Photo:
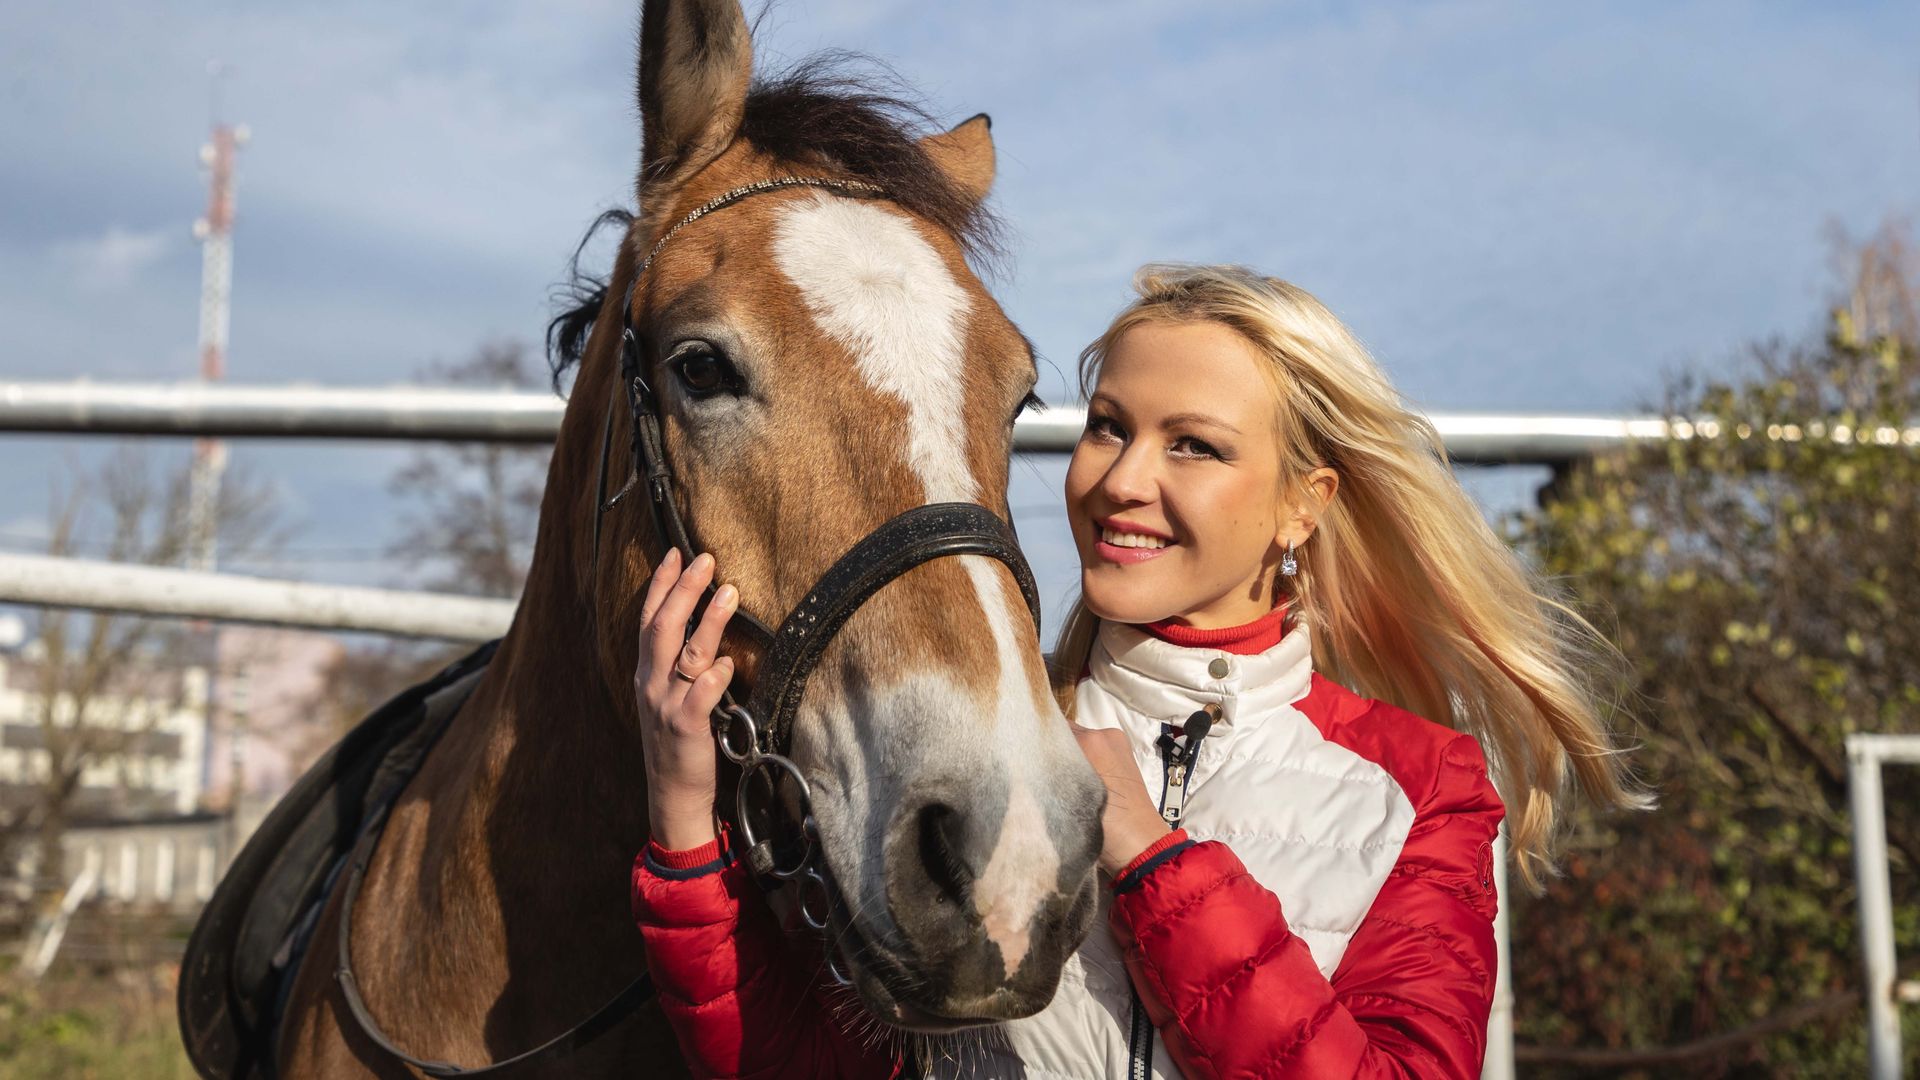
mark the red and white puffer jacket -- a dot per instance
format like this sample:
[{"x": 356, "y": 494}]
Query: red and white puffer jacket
[{"x": 1325, "y": 911}]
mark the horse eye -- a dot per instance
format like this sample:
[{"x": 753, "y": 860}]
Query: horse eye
[
  {"x": 701, "y": 372},
  {"x": 1031, "y": 401}
]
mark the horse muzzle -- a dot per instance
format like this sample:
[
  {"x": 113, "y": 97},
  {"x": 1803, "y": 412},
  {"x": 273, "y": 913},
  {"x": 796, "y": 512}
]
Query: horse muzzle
[
  {"x": 941, "y": 973},
  {"x": 984, "y": 897}
]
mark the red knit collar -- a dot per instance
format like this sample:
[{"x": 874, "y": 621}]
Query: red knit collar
[{"x": 1250, "y": 639}]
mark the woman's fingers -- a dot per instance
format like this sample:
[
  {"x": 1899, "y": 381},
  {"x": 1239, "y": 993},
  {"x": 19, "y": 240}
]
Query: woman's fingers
[
  {"x": 691, "y": 718},
  {"x": 1130, "y": 822},
  {"x": 1103, "y": 746},
  {"x": 668, "y": 629},
  {"x": 698, "y": 654},
  {"x": 664, "y": 575}
]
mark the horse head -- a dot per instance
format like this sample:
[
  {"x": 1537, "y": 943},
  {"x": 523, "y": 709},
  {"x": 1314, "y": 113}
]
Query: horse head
[{"x": 823, "y": 359}]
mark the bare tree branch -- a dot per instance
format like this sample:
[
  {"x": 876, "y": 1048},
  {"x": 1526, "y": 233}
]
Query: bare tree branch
[{"x": 103, "y": 682}]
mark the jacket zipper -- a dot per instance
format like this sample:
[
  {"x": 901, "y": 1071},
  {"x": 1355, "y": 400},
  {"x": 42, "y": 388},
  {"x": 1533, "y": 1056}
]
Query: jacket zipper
[
  {"x": 1176, "y": 768},
  {"x": 1173, "y": 796},
  {"x": 1139, "y": 1042},
  {"x": 1178, "y": 757}
]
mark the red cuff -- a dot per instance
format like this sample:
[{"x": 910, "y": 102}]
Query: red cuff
[
  {"x": 1177, "y": 836},
  {"x": 691, "y": 857}
]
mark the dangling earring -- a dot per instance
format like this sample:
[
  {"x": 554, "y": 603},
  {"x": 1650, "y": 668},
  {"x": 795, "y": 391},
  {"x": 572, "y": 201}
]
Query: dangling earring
[{"x": 1288, "y": 566}]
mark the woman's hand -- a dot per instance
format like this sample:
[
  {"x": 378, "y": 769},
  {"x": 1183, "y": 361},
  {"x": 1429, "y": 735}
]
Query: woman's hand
[
  {"x": 1130, "y": 824},
  {"x": 678, "y": 682}
]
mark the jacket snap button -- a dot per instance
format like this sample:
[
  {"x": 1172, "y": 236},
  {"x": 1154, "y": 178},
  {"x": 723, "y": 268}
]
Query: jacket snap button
[{"x": 1219, "y": 668}]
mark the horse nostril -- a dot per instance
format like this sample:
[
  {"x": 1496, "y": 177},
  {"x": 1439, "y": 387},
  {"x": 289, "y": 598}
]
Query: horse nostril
[{"x": 943, "y": 851}]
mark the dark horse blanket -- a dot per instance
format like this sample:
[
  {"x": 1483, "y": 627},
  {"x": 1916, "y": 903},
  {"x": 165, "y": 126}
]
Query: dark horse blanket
[{"x": 249, "y": 940}]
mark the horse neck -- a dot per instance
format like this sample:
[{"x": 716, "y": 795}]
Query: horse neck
[
  {"x": 522, "y": 826},
  {"x": 554, "y": 747}
]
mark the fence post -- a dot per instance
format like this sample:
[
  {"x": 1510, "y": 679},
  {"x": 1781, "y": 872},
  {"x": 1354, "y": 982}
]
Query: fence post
[
  {"x": 1499, "y": 1060},
  {"x": 1876, "y": 905},
  {"x": 44, "y": 945}
]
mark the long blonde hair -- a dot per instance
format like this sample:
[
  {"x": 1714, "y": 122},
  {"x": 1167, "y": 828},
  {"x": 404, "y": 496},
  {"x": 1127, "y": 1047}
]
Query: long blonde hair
[{"x": 1408, "y": 595}]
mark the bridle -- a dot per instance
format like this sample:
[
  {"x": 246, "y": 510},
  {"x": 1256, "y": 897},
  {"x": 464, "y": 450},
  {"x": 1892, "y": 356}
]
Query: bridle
[{"x": 756, "y": 736}]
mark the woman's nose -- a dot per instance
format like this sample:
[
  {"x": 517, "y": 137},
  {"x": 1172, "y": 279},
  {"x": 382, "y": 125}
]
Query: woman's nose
[{"x": 1130, "y": 479}]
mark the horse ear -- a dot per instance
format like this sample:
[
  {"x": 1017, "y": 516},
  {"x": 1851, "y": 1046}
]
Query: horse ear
[
  {"x": 696, "y": 61},
  {"x": 965, "y": 154}
]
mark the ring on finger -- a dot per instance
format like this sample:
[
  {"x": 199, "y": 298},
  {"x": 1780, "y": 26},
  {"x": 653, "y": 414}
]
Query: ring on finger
[{"x": 678, "y": 674}]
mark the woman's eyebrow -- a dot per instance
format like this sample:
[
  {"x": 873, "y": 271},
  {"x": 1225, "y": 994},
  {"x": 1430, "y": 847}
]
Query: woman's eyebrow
[{"x": 1189, "y": 418}]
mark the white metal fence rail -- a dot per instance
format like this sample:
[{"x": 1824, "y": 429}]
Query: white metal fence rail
[
  {"x": 196, "y": 409},
  {"x": 225, "y": 410},
  {"x": 1865, "y": 756},
  {"x": 329, "y": 412},
  {"x": 194, "y": 594}
]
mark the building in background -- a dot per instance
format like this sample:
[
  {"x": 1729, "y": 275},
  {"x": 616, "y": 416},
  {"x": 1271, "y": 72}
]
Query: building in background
[
  {"x": 200, "y": 752},
  {"x": 266, "y": 725},
  {"x": 149, "y": 720}
]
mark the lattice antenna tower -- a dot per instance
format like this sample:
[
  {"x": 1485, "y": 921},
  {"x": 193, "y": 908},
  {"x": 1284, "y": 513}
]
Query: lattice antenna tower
[{"x": 215, "y": 233}]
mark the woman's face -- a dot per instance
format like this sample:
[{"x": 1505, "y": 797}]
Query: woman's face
[{"x": 1173, "y": 493}]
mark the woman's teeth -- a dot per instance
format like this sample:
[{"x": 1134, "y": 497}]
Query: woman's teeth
[{"x": 1131, "y": 540}]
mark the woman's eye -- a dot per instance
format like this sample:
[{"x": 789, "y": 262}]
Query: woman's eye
[
  {"x": 702, "y": 373},
  {"x": 1101, "y": 427},
  {"x": 1192, "y": 447}
]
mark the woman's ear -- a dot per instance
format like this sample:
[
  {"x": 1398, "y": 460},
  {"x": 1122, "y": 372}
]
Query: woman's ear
[{"x": 1318, "y": 490}]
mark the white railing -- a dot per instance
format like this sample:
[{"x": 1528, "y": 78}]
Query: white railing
[
  {"x": 48, "y": 581},
  {"x": 225, "y": 410},
  {"x": 1885, "y": 993}
]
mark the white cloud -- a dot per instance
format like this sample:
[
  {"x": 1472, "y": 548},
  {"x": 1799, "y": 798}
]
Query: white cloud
[{"x": 114, "y": 259}]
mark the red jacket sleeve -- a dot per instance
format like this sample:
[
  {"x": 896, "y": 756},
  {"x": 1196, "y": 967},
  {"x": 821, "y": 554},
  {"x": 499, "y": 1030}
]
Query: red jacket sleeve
[
  {"x": 740, "y": 1001},
  {"x": 1234, "y": 992}
]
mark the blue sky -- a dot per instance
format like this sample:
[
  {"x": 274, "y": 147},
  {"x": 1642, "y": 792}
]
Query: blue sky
[{"x": 1517, "y": 205}]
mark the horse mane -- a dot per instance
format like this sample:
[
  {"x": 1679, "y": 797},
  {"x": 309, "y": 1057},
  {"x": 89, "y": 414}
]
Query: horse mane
[{"x": 818, "y": 114}]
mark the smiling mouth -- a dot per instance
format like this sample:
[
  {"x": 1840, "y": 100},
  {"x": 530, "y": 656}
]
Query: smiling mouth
[
  {"x": 1116, "y": 538},
  {"x": 1126, "y": 548}
]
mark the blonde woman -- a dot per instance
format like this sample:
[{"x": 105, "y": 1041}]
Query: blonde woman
[{"x": 1295, "y": 636}]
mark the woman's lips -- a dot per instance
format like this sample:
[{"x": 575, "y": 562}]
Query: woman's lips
[
  {"x": 1128, "y": 555},
  {"x": 1126, "y": 543}
]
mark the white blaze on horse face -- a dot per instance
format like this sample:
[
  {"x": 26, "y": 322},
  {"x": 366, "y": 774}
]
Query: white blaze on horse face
[{"x": 875, "y": 285}]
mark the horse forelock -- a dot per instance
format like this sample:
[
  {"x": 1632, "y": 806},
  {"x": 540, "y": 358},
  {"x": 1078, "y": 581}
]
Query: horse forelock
[{"x": 823, "y": 114}]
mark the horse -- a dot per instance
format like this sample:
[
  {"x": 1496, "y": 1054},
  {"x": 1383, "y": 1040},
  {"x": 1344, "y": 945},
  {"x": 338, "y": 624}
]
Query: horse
[{"x": 796, "y": 303}]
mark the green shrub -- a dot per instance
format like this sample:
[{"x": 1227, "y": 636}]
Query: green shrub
[{"x": 1762, "y": 576}]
